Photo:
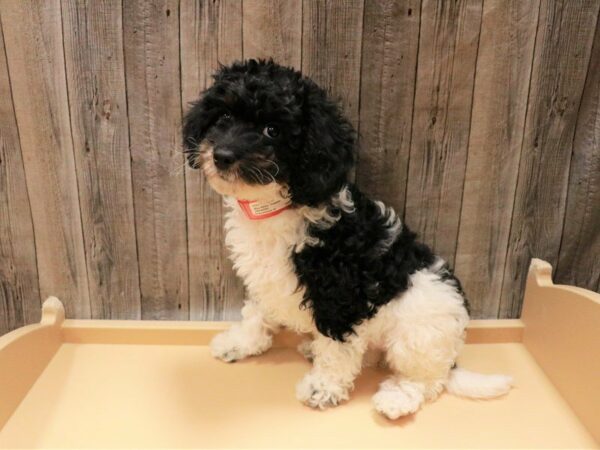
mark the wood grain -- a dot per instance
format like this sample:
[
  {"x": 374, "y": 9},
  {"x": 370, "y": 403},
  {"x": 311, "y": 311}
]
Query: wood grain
[
  {"x": 579, "y": 257},
  {"x": 442, "y": 113},
  {"x": 34, "y": 48},
  {"x": 96, "y": 86},
  {"x": 387, "y": 88},
  {"x": 273, "y": 29},
  {"x": 499, "y": 106},
  {"x": 19, "y": 285},
  {"x": 563, "y": 45},
  {"x": 331, "y": 49},
  {"x": 151, "y": 40},
  {"x": 210, "y": 35}
]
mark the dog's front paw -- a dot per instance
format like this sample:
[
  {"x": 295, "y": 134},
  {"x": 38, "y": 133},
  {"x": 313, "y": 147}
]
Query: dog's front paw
[
  {"x": 318, "y": 391},
  {"x": 226, "y": 347},
  {"x": 233, "y": 344}
]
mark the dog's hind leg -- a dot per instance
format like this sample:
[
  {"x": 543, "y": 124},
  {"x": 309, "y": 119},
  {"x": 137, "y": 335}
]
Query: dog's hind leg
[
  {"x": 424, "y": 336},
  {"x": 420, "y": 356},
  {"x": 252, "y": 336},
  {"x": 421, "y": 359}
]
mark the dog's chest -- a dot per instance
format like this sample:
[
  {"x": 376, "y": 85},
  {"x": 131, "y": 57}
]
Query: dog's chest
[{"x": 261, "y": 252}]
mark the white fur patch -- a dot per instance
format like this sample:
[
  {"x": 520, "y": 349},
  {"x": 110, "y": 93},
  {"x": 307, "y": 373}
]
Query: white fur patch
[{"x": 261, "y": 250}]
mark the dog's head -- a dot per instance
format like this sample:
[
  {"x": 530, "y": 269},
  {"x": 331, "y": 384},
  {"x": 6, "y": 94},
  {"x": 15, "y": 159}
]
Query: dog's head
[{"x": 262, "y": 129}]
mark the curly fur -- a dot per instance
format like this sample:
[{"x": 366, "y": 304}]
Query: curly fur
[
  {"x": 337, "y": 264},
  {"x": 363, "y": 261}
]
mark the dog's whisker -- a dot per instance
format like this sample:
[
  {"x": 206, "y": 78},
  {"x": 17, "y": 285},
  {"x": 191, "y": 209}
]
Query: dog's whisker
[
  {"x": 178, "y": 170},
  {"x": 263, "y": 175},
  {"x": 266, "y": 174},
  {"x": 255, "y": 172},
  {"x": 258, "y": 174},
  {"x": 275, "y": 164},
  {"x": 193, "y": 141},
  {"x": 178, "y": 167}
]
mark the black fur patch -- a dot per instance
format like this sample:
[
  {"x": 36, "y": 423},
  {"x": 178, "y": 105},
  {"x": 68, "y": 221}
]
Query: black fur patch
[{"x": 346, "y": 277}]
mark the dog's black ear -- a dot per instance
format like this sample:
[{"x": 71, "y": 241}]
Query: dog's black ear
[
  {"x": 196, "y": 123},
  {"x": 323, "y": 164}
]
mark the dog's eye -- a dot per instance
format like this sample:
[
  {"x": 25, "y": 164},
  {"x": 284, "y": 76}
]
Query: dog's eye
[
  {"x": 226, "y": 116},
  {"x": 271, "y": 131}
]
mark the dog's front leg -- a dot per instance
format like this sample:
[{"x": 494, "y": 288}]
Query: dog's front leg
[
  {"x": 335, "y": 366},
  {"x": 251, "y": 336}
]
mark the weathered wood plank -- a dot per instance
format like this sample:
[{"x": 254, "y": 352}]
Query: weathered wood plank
[
  {"x": 388, "y": 76},
  {"x": 442, "y": 114},
  {"x": 471, "y": 127},
  {"x": 579, "y": 258},
  {"x": 331, "y": 49},
  {"x": 34, "y": 47},
  {"x": 499, "y": 106},
  {"x": 19, "y": 286},
  {"x": 563, "y": 45},
  {"x": 273, "y": 29},
  {"x": 151, "y": 40},
  {"x": 93, "y": 44},
  {"x": 210, "y": 35}
]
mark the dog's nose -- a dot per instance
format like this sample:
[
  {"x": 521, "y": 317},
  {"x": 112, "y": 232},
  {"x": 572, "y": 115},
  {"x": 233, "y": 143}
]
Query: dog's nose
[{"x": 223, "y": 158}]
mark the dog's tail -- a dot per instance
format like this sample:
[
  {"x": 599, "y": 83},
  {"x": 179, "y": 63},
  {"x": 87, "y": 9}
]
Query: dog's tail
[{"x": 477, "y": 385}]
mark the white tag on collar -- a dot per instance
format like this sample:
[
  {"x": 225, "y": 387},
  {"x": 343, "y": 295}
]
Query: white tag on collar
[{"x": 263, "y": 209}]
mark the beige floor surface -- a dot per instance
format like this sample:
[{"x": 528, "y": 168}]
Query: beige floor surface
[{"x": 133, "y": 396}]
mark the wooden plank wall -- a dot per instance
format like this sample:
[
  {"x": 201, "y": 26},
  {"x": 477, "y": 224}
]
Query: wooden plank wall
[{"x": 478, "y": 120}]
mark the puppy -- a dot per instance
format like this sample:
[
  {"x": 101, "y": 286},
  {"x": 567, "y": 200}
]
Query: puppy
[{"x": 316, "y": 255}]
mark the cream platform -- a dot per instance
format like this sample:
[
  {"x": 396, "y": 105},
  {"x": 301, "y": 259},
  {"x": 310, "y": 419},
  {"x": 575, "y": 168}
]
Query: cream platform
[{"x": 88, "y": 383}]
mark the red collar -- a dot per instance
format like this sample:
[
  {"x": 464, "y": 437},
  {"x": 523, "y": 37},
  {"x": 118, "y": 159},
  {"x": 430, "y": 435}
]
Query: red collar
[{"x": 263, "y": 209}]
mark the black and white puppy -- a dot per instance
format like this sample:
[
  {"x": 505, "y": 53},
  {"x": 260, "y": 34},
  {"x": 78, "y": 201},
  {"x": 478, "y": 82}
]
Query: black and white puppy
[{"x": 316, "y": 255}]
